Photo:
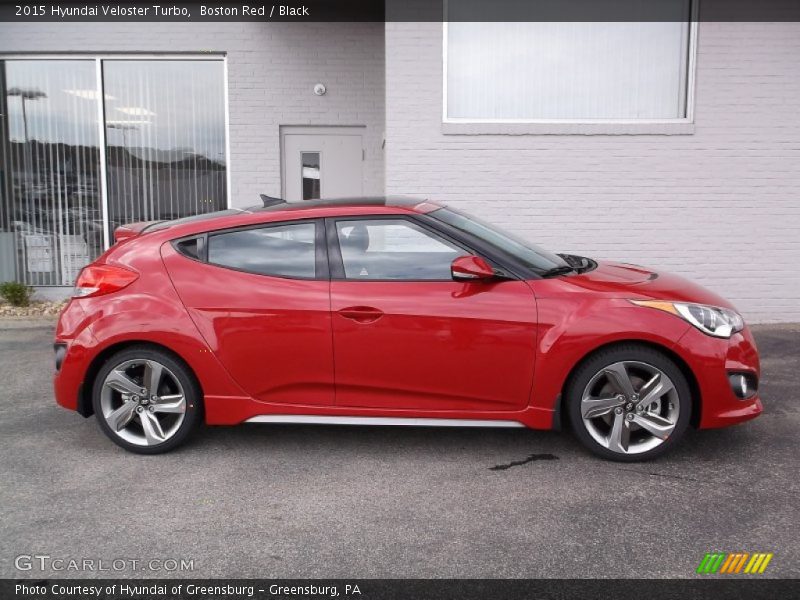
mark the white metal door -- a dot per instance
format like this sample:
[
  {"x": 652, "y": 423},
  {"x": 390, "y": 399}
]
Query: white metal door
[{"x": 322, "y": 162}]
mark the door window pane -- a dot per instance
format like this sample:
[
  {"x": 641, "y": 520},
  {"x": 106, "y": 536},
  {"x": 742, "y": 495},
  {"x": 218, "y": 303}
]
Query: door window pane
[
  {"x": 165, "y": 135},
  {"x": 50, "y": 208},
  {"x": 311, "y": 175},
  {"x": 394, "y": 249},
  {"x": 281, "y": 250}
]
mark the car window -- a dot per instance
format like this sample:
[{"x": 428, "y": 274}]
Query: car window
[
  {"x": 282, "y": 250},
  {"x": 394, "y": 249}
]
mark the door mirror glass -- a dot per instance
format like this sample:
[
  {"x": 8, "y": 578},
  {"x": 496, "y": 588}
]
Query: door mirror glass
[{"x": 471, "y": 268}]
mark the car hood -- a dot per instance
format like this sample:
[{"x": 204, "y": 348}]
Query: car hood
[{"x": 640, "y": 283}]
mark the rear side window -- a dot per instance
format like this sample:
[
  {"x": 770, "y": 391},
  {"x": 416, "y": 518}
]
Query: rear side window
[
  {"x": 281, "y": 250},
  {"x": 190, "y": 248}
]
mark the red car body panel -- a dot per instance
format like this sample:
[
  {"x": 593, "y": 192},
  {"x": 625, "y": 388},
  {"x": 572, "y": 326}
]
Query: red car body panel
[
  {"x": 582, "y": 313},
  {"x": 435, "y": 345},
  {"x": 272, "y": 335},
  {"x": 503, "y": 350}
]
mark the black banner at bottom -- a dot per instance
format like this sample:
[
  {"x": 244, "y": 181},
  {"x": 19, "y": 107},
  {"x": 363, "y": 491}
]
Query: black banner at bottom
[{"x": 405, "y": 589}]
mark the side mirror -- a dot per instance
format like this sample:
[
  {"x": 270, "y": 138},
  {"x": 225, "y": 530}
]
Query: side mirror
[{"x": 470, "y": 268}]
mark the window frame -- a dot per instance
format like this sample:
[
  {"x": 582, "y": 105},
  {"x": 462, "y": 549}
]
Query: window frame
[
  {"x": 330, "y": 265},
  {"x": 336, "y": 262},
  {"x": 321, "y": 270},
  {"x": 557, "y": 126}
]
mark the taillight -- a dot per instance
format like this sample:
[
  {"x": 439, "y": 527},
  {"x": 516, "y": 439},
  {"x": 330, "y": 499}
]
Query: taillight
[{"x": 96, "y": 280}]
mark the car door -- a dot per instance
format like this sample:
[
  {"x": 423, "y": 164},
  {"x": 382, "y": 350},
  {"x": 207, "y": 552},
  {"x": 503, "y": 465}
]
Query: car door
[
  {"x": 260, "y": 297},
  {"x": 406, "y": 336}
]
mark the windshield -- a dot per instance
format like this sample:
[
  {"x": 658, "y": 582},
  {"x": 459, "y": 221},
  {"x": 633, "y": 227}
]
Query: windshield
[{"x": 529, "y": 254}]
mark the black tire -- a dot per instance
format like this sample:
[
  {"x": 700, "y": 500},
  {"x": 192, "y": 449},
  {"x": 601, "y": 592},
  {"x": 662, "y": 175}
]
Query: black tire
[
  {"x": 584, "y": 374},
  {"x": 192, "y": 417}
]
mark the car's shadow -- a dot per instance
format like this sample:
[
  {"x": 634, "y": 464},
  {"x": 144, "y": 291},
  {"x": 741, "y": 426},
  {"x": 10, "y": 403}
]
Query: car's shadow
[
  {"x": 485, "y": 446},
  {"x": 376, "y": 441},
  {"x": 438, "y": 443}
]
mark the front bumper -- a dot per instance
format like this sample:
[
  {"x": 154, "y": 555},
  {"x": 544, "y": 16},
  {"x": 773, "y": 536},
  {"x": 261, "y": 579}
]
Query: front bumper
[{"x": 712, "y": 360}]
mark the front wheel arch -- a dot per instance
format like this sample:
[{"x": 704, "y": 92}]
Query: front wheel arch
[
  {"x": 85, "y": 406},
  {"x": 687, "y": 372}
]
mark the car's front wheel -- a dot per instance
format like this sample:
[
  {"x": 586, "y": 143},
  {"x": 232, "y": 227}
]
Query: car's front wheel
[
  {"x": 146, "y": 401},
  {"x": 629, "y": 403}
]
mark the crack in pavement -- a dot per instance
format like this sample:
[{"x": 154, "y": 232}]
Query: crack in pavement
[{"x": 517, "y": 463}]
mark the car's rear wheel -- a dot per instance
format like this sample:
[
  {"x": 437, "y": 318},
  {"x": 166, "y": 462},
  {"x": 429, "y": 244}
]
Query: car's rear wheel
[
  {"x": 629, "y": 403},
  {"x": 146, "y": 401}
]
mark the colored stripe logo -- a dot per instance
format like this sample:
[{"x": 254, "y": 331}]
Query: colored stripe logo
[{"x": 731, "y": 563}]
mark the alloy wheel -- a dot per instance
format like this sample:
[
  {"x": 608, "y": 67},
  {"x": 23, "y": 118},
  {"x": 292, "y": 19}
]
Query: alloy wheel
[
  {"x": 143, "y": 402},
  {"x": 630, "y": 407}
]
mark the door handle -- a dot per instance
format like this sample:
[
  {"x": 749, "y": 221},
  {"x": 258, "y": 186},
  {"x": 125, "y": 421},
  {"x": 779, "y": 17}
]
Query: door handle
[{"x": 361, "y": 314}]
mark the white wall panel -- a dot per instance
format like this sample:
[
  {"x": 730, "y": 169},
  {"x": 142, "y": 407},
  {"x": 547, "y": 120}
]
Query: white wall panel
[{"x": 567, "y": 70}]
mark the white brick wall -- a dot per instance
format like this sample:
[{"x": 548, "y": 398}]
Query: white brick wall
[
  {"x": 272, "y": 69},
  {"x": 721, "y": 206}
]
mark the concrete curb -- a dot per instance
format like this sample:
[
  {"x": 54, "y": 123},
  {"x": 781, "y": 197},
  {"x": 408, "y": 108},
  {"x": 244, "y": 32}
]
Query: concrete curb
[{"x": 27, "y": 323}]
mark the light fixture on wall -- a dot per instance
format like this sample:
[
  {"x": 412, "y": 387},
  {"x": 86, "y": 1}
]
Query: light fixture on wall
[{"x": 320, "y": 89}]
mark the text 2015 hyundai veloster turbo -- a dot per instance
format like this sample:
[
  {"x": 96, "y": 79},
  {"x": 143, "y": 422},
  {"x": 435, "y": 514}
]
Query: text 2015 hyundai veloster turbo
[{"x": 391, "y": 312}]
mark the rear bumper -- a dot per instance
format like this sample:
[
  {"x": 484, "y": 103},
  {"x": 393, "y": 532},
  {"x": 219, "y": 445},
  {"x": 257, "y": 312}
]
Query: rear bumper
[
  {"x": 712, "y": 360},
  {"x": 74, "y": 333}
]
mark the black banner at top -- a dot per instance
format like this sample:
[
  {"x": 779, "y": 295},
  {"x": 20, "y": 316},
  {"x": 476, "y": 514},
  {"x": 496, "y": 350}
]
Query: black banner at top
[{"x": 404, "y": 10}]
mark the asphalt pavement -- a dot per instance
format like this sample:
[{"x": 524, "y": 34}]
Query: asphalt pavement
[{"x": 357, "y": 502}]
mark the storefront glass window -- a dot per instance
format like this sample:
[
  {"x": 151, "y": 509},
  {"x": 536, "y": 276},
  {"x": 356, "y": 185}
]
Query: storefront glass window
[
  {"x": 51, "y": 223},
  {"x": 165, "y": 155},
  {"x": 165, "y": 139}
]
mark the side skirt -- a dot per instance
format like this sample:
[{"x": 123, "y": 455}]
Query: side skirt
[{"x": 382, "y": 421}]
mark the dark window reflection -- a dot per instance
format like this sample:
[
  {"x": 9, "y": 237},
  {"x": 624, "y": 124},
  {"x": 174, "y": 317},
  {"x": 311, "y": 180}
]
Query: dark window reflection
[
  {"x": 50, "y": 217},
  {"x": 283, "y": 250},
  {"x": 165, "y": 138},
  {"x": 311, "y": 175}
]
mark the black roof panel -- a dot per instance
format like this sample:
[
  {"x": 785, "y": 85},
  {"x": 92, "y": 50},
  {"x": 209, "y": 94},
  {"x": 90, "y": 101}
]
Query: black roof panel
[
  {"x": 354, "y": 201},
  {"x": 292, "y": 206}
]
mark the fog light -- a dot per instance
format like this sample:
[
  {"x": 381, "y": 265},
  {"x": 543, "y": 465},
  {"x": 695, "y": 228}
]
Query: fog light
[{"x": 744, "y": 385}]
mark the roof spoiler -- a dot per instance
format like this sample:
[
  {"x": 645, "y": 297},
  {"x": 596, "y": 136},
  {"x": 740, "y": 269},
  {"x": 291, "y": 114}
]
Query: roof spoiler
[
  {"x": 130, "y": 230},
  {"x": 270, "y": 201}
]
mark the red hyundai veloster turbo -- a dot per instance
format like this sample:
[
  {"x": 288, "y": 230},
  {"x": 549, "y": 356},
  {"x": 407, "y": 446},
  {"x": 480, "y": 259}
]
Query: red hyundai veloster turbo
[{"x": 391, "y": 312}]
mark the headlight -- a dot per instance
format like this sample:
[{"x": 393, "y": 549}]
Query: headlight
[{"x": 711, "y": 320}]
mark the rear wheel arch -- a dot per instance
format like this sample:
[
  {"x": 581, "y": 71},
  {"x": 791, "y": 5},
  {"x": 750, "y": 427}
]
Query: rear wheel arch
[
  {"x": 85, "y": 407},
  {"x": 687, "y": 372}
]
